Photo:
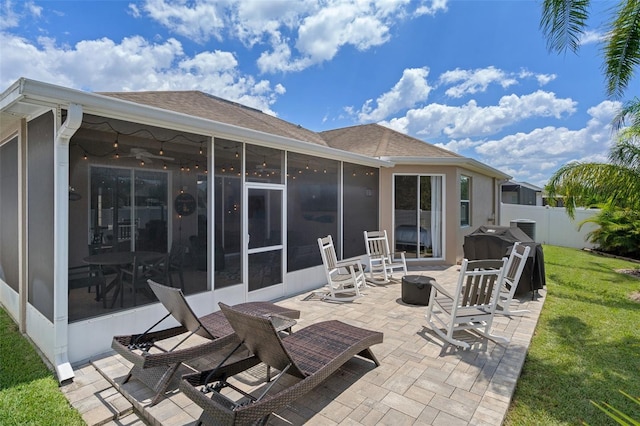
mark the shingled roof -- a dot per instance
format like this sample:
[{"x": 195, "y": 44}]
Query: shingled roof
[
  {"x": 378, "y": 141},
  {"x": 210, "y": 107}
]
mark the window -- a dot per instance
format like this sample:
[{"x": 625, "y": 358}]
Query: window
[{"x": 465, "y": 203}]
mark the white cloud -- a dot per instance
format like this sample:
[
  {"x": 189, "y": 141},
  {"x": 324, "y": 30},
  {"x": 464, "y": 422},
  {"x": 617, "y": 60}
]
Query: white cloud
[
  {"x": 532, "y": 156},
  {"x": 133, "y": 64},
  {"x": 591, "y": 37},
  {"x": 297, "y": 34},
  {"x": 12, "y": 12},
  {"x": 471, "y": 120},
  {"x": 474, "y": 81},
  {"x": 198, "y": 21},
  {"x": 544, "y": 79},
  {"x": 409, "y": 90},
  {"x": 432, "y": 7}
]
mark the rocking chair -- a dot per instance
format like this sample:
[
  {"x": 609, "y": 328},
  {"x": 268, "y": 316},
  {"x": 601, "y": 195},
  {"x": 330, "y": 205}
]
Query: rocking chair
[
  {"x": 344, "y": 278},
  {"x": 381, "y": 259},
  {"x": 472, "y": 306},
  {"x": 515, "y": 266}
]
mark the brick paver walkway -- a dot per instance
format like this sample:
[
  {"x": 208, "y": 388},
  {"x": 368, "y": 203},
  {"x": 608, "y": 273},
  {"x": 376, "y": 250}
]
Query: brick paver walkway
[{"x": 421, "y": 381}]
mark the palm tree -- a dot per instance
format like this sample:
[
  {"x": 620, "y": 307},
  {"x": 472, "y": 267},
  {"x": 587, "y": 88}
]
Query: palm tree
[
  {"x": 563, "y": 23},
  {"x": 616, "y": 183}
]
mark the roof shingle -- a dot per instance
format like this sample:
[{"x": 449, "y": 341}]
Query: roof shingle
[
  {"x": 210, "y": 107},
  {"x": 375, "y": 140}
]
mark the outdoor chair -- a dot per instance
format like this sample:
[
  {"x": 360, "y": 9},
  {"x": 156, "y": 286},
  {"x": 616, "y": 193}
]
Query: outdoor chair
[
  {"x": 310, "y": 355},
  {"x": 86, "y": 276},
  {"x": 175, "y": 263},
  {"x": 515, "y": 266},
  {"x": 472, "y": 306},
  {"x": 382, "y": 262},
  {"x": 344, "y": 278},
  {"x": 130, "y": 276},
  {"x": 154, "y": 365}
]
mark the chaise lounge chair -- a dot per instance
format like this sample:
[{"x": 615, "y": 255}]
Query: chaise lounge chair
[
  {"x": 311, "y": 354},
  {"x": 154, "y": 365}
]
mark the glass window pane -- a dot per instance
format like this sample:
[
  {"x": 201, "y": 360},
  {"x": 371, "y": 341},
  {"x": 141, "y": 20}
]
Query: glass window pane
[
  {"x": 426, "y": 216},
  {"x": 464, "y": 213},
  {"x": 110, "y": 220},
  {"x": 406, "y": 215},
  {"x": 464, "y": 188},
  {"x": 149, "y": 225},
  {"x": 312, "y": 207}
]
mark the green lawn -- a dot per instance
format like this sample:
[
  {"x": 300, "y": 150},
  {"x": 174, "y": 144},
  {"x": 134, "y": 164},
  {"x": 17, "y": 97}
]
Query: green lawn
[
  {"x": 586, "y": 345},
  {"x": 29, "y": 393}
]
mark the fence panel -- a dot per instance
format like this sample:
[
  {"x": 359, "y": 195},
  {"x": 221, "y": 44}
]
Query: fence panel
[{"x": 552, "y": 224}]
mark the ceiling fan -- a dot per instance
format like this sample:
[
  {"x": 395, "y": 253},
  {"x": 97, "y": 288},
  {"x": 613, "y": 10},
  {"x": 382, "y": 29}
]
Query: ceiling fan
[{"x": 144, "y": 155}]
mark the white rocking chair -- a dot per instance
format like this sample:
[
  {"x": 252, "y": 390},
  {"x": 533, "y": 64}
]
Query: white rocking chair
[
  {"x": 344, "y": 278},
  {"x": 473, "y": 305},
  {"x": 515, "y": 266},
  {"x": 381, "y": 260}
]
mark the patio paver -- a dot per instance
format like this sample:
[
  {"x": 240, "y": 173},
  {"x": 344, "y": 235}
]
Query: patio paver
[{"x": 421, "y": 380}]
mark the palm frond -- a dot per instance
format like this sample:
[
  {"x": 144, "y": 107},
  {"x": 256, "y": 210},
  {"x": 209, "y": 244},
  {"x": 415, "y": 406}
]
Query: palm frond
[
  {"x": 628, "y": 115},
  {"x": 627, "y": 151},
  {"x": 563, "y": 23},
  {"x": 622, "y": 53},
  {"x": 587, "y": 184}
]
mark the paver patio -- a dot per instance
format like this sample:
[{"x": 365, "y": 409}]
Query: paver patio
[{"x": 421, "y": 380}]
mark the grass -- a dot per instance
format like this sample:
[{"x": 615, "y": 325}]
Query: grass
[
  {"x": 586, "y": 346},
  {"x": 29, "y": 393}
]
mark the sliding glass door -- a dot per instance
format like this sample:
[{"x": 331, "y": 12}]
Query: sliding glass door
[
  {"x": 128, "y": 209},
  {"x": 418, "y": 215}
]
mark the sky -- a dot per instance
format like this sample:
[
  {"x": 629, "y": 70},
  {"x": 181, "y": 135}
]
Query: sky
[{"x": 474, "y": 77}]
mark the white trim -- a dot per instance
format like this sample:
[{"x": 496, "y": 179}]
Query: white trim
[
  {"x": 443, "y": 225},
  {"x": 468, "y": 163},
  {"x": 61, "y": 238}
]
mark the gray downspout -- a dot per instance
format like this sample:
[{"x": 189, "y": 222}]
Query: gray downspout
[{"x": 61, "y": 239}]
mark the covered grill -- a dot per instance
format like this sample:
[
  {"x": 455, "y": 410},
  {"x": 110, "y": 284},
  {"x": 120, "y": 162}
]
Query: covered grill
[{"x": 495, "y": 242}]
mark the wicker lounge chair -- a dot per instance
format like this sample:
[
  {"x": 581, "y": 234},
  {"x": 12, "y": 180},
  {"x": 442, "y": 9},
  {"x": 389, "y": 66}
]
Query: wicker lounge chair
[
  {"x": 154, "y": 365},
  {"x": 311, "y": 354}
]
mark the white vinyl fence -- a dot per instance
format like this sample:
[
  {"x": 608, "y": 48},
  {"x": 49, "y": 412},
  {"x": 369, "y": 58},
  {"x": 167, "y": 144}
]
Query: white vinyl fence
[{"x": 552, "y": 224}]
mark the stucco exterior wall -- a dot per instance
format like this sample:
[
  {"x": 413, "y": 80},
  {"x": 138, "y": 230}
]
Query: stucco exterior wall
[{"x": 484, "y": 205}]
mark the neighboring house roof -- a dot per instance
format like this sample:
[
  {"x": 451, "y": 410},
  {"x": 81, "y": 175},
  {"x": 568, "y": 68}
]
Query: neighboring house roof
[
  {"x": 210, "y": 107},
  {"x": 378, "y": 141},
  {"x": 513, "y": 185}
]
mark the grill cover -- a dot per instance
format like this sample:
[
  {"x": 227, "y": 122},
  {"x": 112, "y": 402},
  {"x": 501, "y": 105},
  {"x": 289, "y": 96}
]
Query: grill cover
[{"x": 495, "y": 242}]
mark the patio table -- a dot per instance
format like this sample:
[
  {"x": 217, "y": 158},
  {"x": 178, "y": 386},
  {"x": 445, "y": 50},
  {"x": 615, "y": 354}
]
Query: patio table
[{"x": 119, "y": 259}]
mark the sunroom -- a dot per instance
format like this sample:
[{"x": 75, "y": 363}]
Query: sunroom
[{"x": 88, "y": 177}]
